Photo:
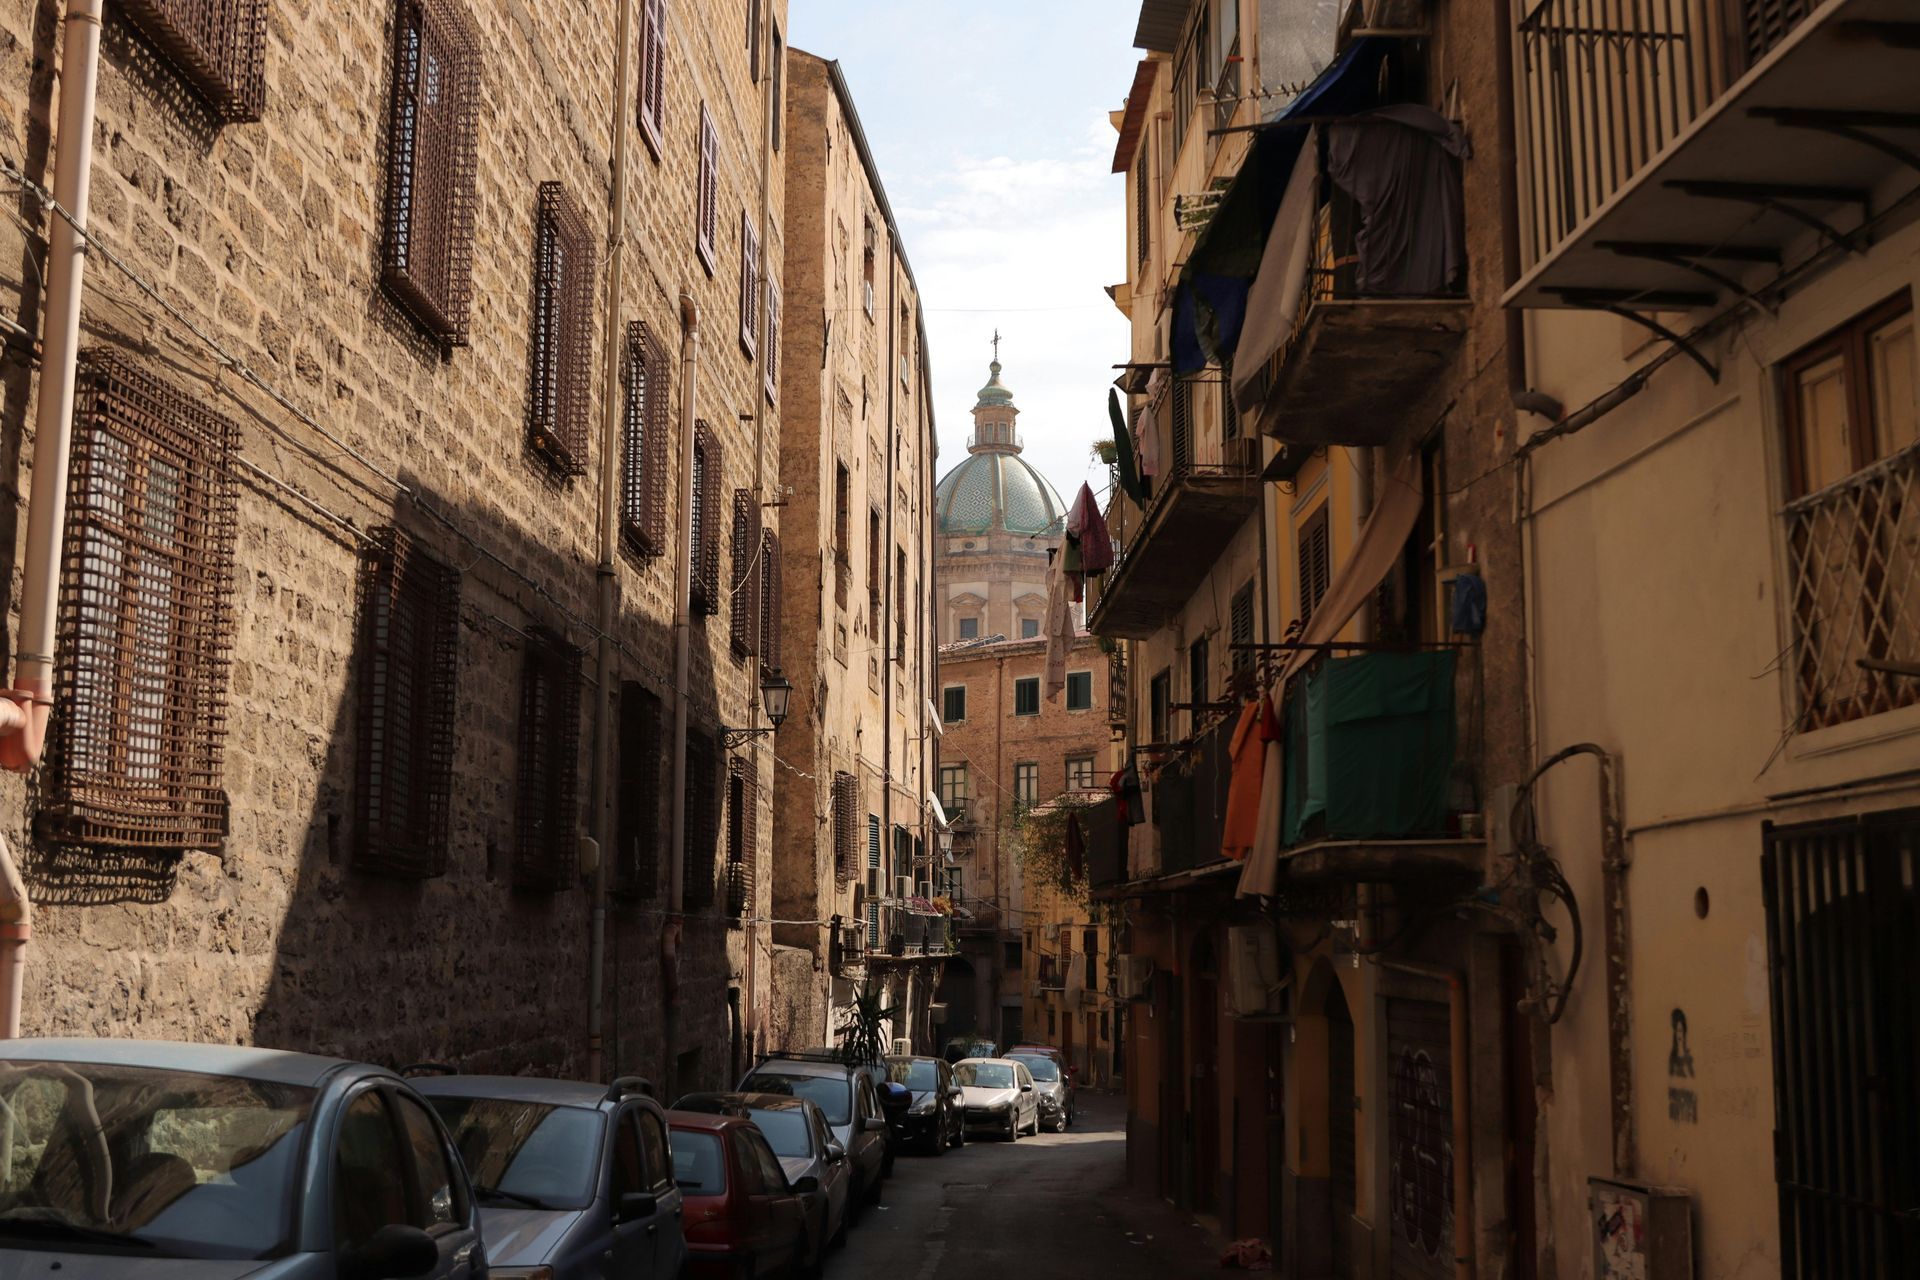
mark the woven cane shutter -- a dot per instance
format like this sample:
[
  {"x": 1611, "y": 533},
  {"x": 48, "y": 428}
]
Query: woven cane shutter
[
  {"x": 846, "y": 819},
  {"x": 745, "y": 615},
  {"x": 770, "y": 592}
]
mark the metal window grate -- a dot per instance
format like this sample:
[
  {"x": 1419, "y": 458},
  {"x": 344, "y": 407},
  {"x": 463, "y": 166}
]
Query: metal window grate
[
  {"x": 770, "y": 593},
  {"x": 707, "y": 191},
  {"x": 409, "y": 654},
  {"x": 1853, "y": 568},
  {"x": 636, "y": 864},
  {"x": 643, "y": 490},
  {"x": 745, "y": 616},
  {"x": 743, "y": 837},
  {"x": 703, "y": 524},
  {"x": 559, "y": 395},
  {"x": 846, "y": 825},
  {"x": 217, "y": 46},
  {"x": 703, "y": 819},
  {"x": 145, "y": 617},
  {"x": 749, "y": 286},
  {"x": 427, "y": 258},
  {"x": 547, "y": 812},
  {"x": 653, "y": 70},
  {"x": 1843, "y": 942}
]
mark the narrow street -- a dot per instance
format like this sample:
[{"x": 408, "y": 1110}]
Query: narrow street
[{"x": 1053, "y": 1205}]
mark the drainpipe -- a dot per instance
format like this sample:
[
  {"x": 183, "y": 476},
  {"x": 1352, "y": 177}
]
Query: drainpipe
[
  {"x": 889, "y": 589},
  {"x": 601, "y": 804},
  {"x": 24, "y": 708},
  {"x": 16, "y": 926},
  {"x": 682, "y": 692},
  {"x": 1465, "y": 1228},
  {"x": 1507, "y": 157}
]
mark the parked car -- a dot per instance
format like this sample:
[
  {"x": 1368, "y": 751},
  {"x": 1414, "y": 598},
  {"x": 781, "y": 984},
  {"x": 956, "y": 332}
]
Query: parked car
[
  {"x": 960, "y": 1048},
  {"x": 134, "y": 1158},
  {"x": 999, "y": 1096},
  {"x": 805, "y": 1146},
  {"x": 1053, "y": 1085},
  {"x": 937, "y": 1118},
  {"x": 848, "y": 1096},
  {"x": 744, "y": 1217},
  {"x": 1058, "y": 1055},
  {"x": 569, "y": 1175}
]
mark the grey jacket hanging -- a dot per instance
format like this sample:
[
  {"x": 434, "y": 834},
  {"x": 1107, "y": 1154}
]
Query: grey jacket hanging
[{"x": 1401, "y": 165}]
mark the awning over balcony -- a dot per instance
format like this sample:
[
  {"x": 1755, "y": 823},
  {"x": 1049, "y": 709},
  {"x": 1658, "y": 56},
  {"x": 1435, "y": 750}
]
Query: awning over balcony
[
  {"x": 1185, "y": 529},
  {"x": 1808, "y": 140}
]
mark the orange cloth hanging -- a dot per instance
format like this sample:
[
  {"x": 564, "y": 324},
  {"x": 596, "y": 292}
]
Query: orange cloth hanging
[{"x": 1258, "y": 725}]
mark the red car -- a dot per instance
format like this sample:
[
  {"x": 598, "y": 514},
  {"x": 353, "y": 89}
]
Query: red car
[{"x": 743, "y": 1219}]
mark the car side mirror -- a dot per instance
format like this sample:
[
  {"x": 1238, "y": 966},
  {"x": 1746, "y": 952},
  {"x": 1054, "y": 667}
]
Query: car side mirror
[
  {"x": 835, "y": 1153},
  {"x": 395, "y": 1252},
  {"x": 806, "y": 1186},
  {"x": 637, "y": 1204},
  {"x": 874, "y": 1124},
  {"x": 1026, "y": 1088}
]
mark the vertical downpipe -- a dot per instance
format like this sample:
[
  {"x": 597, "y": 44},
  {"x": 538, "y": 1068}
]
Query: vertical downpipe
[{"x": 682, "y": 694}]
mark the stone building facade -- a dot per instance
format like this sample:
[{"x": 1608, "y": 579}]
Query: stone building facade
[
  {"x": 853, "y": 817},
  {"x": 242, "y": 264}
]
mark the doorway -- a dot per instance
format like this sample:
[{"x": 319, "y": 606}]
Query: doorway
[
  {"x": 1204, "y": 1076},
  {"x": 1341, "y": 1179}
]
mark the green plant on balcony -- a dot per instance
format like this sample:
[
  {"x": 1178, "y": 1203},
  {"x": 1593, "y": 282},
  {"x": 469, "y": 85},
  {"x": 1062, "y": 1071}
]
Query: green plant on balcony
[{"x": 863, "y": 1027}]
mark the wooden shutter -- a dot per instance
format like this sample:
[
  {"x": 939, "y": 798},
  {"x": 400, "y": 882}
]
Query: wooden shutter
[
  {"x": 1241, "y": 627},
  {"x": 1315, "y": 563},
  {"x": 770, "y": 592},
  {"x": 1182, "y": 460},
  {"x": 547, "y": 813},
  {"x": 745, "y": 616},
  {"x": 749, "y": 286},
  {"x": 653, "y": 70},
  {"x": 846, "y": 819},
  {"x": 703, "y": 525},
  {"x": 643, "y": 493},
  {"x": 707, "y": 192},
  {"x": 770, "y": 354},
  {"x": 1765, "y": 23}
]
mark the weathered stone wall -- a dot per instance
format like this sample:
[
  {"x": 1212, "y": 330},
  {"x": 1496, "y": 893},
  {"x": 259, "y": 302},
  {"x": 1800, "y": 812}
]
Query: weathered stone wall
[{"x": 266, "y": 237}]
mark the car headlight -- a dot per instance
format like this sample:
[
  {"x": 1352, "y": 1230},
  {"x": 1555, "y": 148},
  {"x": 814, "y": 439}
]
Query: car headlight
[{"x": 921, "y": 1108}]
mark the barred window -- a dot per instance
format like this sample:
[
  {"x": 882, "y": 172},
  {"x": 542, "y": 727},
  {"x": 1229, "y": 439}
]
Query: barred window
[
  {"x": 899, "y": 604},
  {"x": 559, "y": 390},
  {"x": 749, "y": 286},
  {"x": 636, "y": 861},
  {"x": 707, "y": 192},
  {"x": 145, "y": 616},
  {"x": 643, "y": 491},
  {"x": 770, "y": 591},
  {"x": 746, "y": 573},
  {"x": 743, "y": 837},
  {"x": 409, "y": 666},
  {"x": 427, "y": 261},
  {"x": 218, "y": 48},
  {"x": 770, "y": 356},
  {"x": 703, "y": 818},
  {"x": 704, "y": 524},
  {"x": 548, "y": 817},
  {"x": 653, "y": 70},
  {"x": 846, "y": 825}
]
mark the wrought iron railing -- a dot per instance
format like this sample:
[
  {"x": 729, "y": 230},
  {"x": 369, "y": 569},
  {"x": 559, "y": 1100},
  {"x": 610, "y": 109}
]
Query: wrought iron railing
[{"x": 1853, "y": 568}]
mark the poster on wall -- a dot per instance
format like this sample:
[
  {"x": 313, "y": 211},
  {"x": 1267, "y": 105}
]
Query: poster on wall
[{"x": 1640, "y": 1231}]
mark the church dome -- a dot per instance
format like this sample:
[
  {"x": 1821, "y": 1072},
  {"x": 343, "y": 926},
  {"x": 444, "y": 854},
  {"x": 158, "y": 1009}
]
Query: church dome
[
  {"x": 995, "y": 392},
  {"x": 996, "y": 492}
]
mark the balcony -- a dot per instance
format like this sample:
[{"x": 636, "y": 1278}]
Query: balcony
[{"x": 1672, "y": 155}]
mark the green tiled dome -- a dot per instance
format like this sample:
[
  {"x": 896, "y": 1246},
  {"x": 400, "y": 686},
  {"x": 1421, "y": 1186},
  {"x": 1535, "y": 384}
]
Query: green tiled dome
[{"x": 995, "y": 491}]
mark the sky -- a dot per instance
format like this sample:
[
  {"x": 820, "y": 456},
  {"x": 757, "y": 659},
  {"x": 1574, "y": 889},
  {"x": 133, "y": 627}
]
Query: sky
[{"x": 988, "y": 120}]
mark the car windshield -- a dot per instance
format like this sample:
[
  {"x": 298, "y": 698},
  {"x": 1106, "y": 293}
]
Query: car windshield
[
  {"x": 159, "y": 1162},
  {"x": 786, "y": 1130},
  {"x": 1042, "y": 1067},
  {"x": 829, "y": 1093},
  {"x": 915, "y": 1073},
  {"x": 526, "y": 1150},
  {"x": 699, "y": 1167},
  {"x": 984, "y": 1075}
]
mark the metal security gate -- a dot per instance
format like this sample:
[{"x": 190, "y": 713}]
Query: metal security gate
[
  {"x": 1420, "y": 1139},
  {"x": 1843, "y": 947}
]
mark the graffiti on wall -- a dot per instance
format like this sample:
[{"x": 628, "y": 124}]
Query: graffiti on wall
[
  {"x": 1683, "y": 1102},
  {"x": 1422, "y": 1164}
]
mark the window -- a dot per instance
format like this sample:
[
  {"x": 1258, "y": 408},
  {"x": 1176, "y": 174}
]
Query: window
[
  {"x": 744, "y": 619},
  {"x": 637, "y": 827},
  {"x": 953, "y": 704},
  {"x": 643, "y": 490},
  {"x": 1190, "y": 76},
  {"x": 1026, "y": 784},
  {"x": 953, "y": 790},
  {"x": 873, "y": 842},
  {"x": 440, "y": 1203},
  {"x": 770, "y": 354},
  {"x": 1080, "y": 773},
  {"x": 653, "y": 1138},
  {"x": 749, "y": 286},
  {"x": 1142, "y": 208},
  {"x": 1013, "y": 959},
  {"x": 874, "y": 564},
  {"x": 779, "y": 63},
  {"x": 770, "y": 593},
  {"x": 707, "y": 191},
  {"x": 1026, "y": 696},
  {"x": 426, "y": 259},
  {"x": 1196, "y": 681},
  {"x": 969, "y": 628},
  {"x": 900, "y": 604},
  {"x": 369, "y": 1189},
  {"x": 137, "y": 739},
  {"x": 546, "y": 854},
  {"x": 842, "y": 533},
  {"x": 409, "y": 642},
  {"x": 846, "y": 819},
  {"x": 1160, "y": 707},
  {"x": 1852, "y": 470},
  {"x": 218, "y": 49},
  {"x": 653, "y": 70},
  {"x": 629, "y": 1171},
  {"x": 703, "y": 524},
  {"x": 1316, "y": 566},
  {"x": 743, "y": 836},
  {"x": 703, "y": 818},
  {"x": 1240, "y": 628},
  {"x": 871, "y": 248},
  {"x": 1079, "y": 690},
  {"x": 1029, "y": 628},
  {"x": 559, "y": 393}
]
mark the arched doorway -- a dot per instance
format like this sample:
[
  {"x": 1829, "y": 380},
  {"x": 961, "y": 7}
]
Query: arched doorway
[
  {"x": 1341, "y": 1179},
  {"x": 957, "y": 991},
  {"x": 1203, "y": 1075}
]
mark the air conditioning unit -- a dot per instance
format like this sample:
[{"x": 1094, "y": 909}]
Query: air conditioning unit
[
  {"x": 902, "y": 1046},
  {"x": 1242, "y": 455},
  {"x": 1135, "y": 973},
  {"x": 903, "y": 887},
  {"x": 1255, "y": 983},
  {"x": 875, "y": 880},
  {"x": 937, "y": 1013}
]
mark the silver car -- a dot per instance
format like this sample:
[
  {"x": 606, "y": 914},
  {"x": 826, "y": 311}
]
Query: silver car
[
  {"x": 999, "y": 1096},
  {"x": 135, "y": 1158},
  {"x": 1054, "y": 1089}
]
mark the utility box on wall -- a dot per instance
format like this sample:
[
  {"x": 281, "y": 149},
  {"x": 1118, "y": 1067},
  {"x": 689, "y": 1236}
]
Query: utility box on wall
[{"x": 1640, "y": 1231}]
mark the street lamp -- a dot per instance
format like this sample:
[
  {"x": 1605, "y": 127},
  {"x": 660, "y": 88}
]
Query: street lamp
[
  {"x": 943, "y": 841},
  {"x": 775, "y": 692}
]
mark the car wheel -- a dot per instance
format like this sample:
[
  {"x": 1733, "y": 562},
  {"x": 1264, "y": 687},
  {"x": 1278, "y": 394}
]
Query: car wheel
[
  {"x": 960, "y": 1133},
  {"x": 1013, "y": 1127}
]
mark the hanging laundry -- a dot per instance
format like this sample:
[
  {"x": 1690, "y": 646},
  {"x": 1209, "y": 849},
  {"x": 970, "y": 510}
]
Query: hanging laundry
[
  {"x": 1124, "y": 462},
  {"x": 1469, "y": 604},
  {"x": 1058, "y": 624},
  {"x": 1088, "y": 527},
  {"x": 1244, "y": 793},
  {"x": 1260, "y": 877},
  {"x": 1132, "y": 805},
  {"x": 1401, "y": 165},
  {"x": 1146, "y": 436}
]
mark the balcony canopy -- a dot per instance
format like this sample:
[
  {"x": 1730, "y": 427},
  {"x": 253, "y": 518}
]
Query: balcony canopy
[{"x": 1664, "y": 176}]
